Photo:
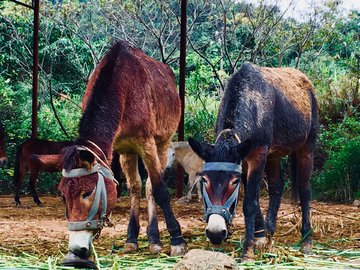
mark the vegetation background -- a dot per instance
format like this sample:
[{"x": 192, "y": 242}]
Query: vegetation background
[{"x": 323, "y": 42}]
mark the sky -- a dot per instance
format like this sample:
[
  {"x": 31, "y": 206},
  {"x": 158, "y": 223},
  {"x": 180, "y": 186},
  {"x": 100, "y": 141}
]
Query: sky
[{"x": 302, "y": 5}]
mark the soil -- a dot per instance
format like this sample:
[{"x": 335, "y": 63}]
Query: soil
[{"x": 42, "y": 231}]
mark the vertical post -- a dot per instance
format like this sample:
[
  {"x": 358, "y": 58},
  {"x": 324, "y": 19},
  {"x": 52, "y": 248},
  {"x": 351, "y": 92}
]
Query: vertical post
[
  {"x": 180, "y": 170},
  {"x": 35, "y": 69}
]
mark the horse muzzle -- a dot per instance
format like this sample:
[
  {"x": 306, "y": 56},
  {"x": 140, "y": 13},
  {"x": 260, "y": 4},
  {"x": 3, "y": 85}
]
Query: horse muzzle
[
  {"x": 216, "y": 230},
  {"x": 80, "y": 243}
]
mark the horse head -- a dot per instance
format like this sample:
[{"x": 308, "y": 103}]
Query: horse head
[
  {"x": 170, "y": 157},
  {"x": 221, "y": 181},
  {"x": 89, "y": 192}
]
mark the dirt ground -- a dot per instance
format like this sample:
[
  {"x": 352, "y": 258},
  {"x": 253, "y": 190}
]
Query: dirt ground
[{"x": 43, "y": 231}]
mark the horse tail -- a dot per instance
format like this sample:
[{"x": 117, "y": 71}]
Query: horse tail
[
  {"x": 294, "y": 175},
  {"x": 17, "y": 165}
]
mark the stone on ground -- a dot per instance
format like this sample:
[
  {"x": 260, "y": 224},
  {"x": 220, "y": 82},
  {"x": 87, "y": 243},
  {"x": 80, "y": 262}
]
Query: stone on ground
[{"x": 205, "y": 259}]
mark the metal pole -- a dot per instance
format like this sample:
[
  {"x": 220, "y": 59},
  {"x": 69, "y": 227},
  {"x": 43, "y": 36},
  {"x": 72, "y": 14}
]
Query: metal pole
[
  {"x": 180, "y": 170},
  {"x": 35, "y": 69}
]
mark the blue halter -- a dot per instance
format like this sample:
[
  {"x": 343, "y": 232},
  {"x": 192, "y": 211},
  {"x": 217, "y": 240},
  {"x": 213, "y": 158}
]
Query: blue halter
[
  {"x": 100, "y": 193},
  {"x": 223, "y": 210}
]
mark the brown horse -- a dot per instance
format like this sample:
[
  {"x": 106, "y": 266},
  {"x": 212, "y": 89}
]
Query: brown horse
[
  {"x": 24, "y": 163},
  {"x": 3, "y": 155},
  {"x": 265, "y": 114},
  {"x": 130, "y": 105}
]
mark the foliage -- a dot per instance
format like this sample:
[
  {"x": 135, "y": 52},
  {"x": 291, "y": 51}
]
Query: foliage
[
  {"x": 200, "y": 117},
  {"x": 338, "y": 180},
  {"x": 221, "y": 35}
]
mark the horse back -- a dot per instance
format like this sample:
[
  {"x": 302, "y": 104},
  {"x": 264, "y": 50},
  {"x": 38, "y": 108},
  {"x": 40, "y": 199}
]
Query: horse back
[
  {"x": 271, "y": 106},
  {"x": 41, "y": 147},
  {"x": 137, "y": 93}
]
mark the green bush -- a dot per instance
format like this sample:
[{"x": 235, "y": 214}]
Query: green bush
[{"x": 340, "y": 179}]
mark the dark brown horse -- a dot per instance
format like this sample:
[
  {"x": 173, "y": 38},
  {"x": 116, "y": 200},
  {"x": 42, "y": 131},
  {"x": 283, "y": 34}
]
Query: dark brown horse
[
  {"x": 265, "y": 114},
  {"x": 3, "y": 155},
  {"x": 24, "y": 163},
  {"x": 130, "y": 105}
]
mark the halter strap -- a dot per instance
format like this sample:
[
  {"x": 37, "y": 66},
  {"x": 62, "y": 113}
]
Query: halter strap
[
  {"x": 103, "y": 170},
  {"x": 222, "y": 166},
  {"x": 223, "y": 210}
]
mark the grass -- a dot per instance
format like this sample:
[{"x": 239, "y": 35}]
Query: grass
[{"x": 281, "y": 257}]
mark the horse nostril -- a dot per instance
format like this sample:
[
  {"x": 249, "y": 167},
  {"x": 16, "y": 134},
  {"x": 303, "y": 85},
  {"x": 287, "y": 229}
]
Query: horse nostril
[
  {"x": 83, "y": 252},
  {"x": 216, "y": 237}
]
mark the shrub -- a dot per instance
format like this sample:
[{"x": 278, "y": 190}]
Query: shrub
[{"x": 340, "y": 179}]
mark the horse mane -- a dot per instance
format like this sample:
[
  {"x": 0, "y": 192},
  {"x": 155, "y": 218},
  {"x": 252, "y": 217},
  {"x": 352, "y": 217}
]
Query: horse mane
[
  {"x": 100, "y": 121},
  {"x": 69, "y": 160},
  {"x": 221, "y": 151}
]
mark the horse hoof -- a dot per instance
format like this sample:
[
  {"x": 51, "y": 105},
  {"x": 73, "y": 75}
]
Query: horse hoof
[
  {"x": 16, "y": 203},
  {"x": 306, "y": 248},
  {"x": 178, "y": 250},
  {"x": 155, "y": 248},
  {"x": 261, "y": 243},
  {"x": 40, "y": 205},
  {"x": 130, "y": 248},
  {"x": 249, "y": 256}
]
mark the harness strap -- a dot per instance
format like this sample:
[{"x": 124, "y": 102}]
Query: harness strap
[
  {"x": 223, "y": 210},
  {"x": 90, "y": 223},
  {"x": 222, "y": 166},
  {"x": 100, "y": 193}
]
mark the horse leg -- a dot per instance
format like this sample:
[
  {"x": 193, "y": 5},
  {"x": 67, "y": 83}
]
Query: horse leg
[
  {"x": 276, "y": 186},
  {"x": 198, "y": 186},
  {"x": 191, "y": 181},
  {"x": 305, "y": 161},
  {"x": 116, "y": 169},
  {"x": 260, "y": 240},
  {"x": 254, "y": 221},
  {"x": 162, "y": 197},
  {"x": 32, "y": 184},
  {"x": 129, "y": 167},
  {"x": 152, "y": 230},
  {"x": 19, "y": 175}
]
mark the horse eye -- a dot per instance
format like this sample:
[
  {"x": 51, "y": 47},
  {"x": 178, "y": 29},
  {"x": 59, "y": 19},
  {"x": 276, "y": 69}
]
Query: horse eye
[
  {"x": 204, "y": 180},
  {"x": 87, "y": 194},
  {"x": 236, "y": 182}
]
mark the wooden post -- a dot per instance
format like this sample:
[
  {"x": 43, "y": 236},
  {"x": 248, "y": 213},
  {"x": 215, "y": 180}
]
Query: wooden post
[
  {"x": 35, "y": 69},
  {"x": 180, "y": 170}
]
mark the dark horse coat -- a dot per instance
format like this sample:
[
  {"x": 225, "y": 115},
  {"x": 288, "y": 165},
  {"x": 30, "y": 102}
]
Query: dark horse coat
[
  {"x": 130, "y": 106},
  {"x": 3, "y": 155},
  {"x": 265, "y": 114}
]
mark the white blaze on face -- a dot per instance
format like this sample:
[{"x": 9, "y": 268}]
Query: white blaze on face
[
  {"x": 216, "y": 224},
  {"x": 80, "y": 242}
]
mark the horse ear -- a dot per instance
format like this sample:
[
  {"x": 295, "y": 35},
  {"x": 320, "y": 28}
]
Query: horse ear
[
  {"x": 49, "y": 160},
  {"x": 87, "y": 158},
  {"x": 203, "y": 150},
  {"x": 243, "y": 149}
]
